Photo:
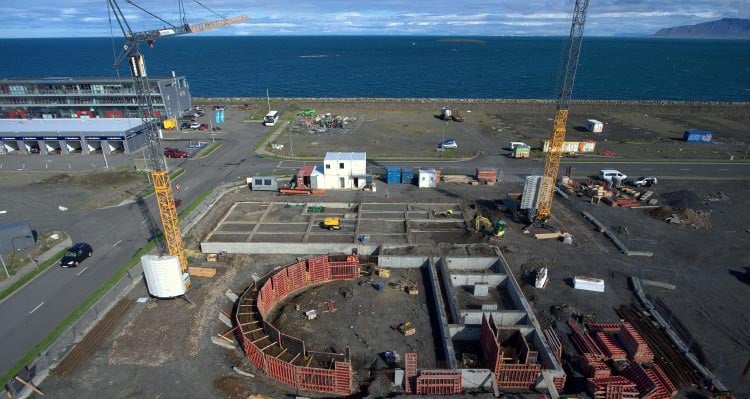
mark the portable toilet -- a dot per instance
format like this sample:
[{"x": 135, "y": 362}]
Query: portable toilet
[
  {"x": 407, "y": 176},
  {"x": 393, "y": 175},
  {"x": 427, "y": 178}
]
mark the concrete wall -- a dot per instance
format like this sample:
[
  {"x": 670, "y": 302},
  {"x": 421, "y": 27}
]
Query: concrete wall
[
  {"x": 502, "y": 319},
  {"x": 402, "y": 262},
  {"x": 286, "y": 248},
  {"x": 474, "y": 263},
  {"x": 476, "y": 379},
  {"x": 493, "y": 280}
]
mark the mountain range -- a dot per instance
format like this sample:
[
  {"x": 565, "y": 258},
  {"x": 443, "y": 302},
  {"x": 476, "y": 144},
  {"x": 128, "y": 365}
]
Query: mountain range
[{"x": 727, "y": 28}]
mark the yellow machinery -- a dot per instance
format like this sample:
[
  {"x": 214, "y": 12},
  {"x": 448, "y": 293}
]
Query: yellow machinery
[
  {"x": 497, "y": 229},
  {"x": 407, "y": 328},
  {"x": 159, "y": 174},
  {"x": 331, "y": 223},
  {"x": 552, "y": 160}
]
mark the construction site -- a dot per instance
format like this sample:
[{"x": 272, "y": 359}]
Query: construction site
[{"x": 472, "y": 286}]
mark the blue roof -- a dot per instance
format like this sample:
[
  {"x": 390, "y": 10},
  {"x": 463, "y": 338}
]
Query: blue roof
[{"x": 346, "y": 156}]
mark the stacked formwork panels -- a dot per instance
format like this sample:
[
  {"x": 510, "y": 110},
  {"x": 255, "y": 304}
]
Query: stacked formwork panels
[
  {"x": 634, "y": 344},
  {"x": 280, "y": 355},
  {"x": 583, "y": 342},
  {"x": 651, "y": 382},
  {"x": 609, "y": 346},
  {"x": 515, "y": 372},
  {"x": 593, "y": 367},
  {"x": 439, "y": 382},
  {"x": 611, "y": 388},
  {"x": 410, "y": 372}
]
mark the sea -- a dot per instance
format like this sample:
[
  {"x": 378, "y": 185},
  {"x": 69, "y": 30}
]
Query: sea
[{"x": 407, "y": 67}]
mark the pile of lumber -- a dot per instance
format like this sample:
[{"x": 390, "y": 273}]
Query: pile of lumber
[
  {"x": 457, "y": 179},
  {"x": 621, "y": 202}
]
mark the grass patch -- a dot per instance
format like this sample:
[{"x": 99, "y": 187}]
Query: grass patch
[
  {"x": 52, "y": 336},
  {"x": 211, "y": 149},
  {"x": 28, "y": 276}
]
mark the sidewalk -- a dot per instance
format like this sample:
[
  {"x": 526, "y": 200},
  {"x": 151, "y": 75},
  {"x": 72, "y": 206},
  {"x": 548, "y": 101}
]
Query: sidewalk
[{"x": 29, "y": 267}]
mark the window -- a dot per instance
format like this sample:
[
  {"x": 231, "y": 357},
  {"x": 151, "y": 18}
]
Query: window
[
  {"x": 341, "y": 165},
  {"x": 258, "y": 182},
  {"x": 328, "y": 166},
  {"x": 267, "y": 182}
]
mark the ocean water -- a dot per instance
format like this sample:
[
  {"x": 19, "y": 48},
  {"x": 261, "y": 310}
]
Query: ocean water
[{"x": 407, "y": 67}]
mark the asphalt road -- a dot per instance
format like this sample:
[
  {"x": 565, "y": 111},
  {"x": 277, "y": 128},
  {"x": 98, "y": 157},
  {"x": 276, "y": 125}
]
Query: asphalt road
[{"x": 117, "y": 233}]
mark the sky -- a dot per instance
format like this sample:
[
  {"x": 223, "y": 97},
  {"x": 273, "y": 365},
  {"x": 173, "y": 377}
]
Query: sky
[{"x": 90, "y": 18}]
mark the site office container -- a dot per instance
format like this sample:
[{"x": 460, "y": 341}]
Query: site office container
[
  {"x": 393, "y": 174},
  {"x": 407, "y": 175}
]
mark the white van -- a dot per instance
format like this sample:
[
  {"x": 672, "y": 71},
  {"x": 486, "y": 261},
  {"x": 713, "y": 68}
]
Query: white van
[
  {"x": 513, "y": 144},
  {"x": 612, "y": 177}
]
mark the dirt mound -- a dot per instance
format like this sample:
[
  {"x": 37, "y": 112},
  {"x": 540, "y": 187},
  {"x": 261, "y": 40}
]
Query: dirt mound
[
  {"x": 695, "y": 219},
  {"x": 681, "y": 199},
  {"x": 114, "y": 180},
  {"x": 232, "y": 387}
]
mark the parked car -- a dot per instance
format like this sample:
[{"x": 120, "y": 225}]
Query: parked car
[
  {"x": 185, "y": 125},
  {"x": 203, "y": 127},
  {"x": 612, "y": 177},
  {"x": 175, "y": 153},
  {"x": 448, "y": 143},
  {"x": 195, "y": 125},
  {"x": 646, "y": 181},
  {"x": 76, "y": 254}
]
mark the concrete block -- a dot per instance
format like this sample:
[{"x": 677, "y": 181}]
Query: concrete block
[
  {"x": 222, "y": 343},
  {"x": 224, "y": 319},
  {"x": 231, "y": 295}
]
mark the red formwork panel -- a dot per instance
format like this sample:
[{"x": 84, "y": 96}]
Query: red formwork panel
[
  {"x": 636, "y": 347},
  {"x": 410, "y": 371},
  {"x": 280, "y": 285},
  {"x": 281, "y": 371},
  {"x": 343, "y": 372},
  {"x": 439, "y": 383},
  {"x": 616, "y": 387},
  {"x": 316, "y": 380},
  {"x": 265, "y": 298},
  {"x": 560, "y": 381},
  {"x": 488, "y": 342},
  {"x": 254, "y": 354},
  {"x": 610, "y": 328},
  {"x": 652, "y": 383},
  {"x": 297, "y": 276},
  {"x": 583, "y": 342},
  {"x": 319, "y": 272},
  {"x": 517, "y": 376},
  {"x": 344, "y": 270},
  {"x": 609, "y": 346},
  {"x": 594, "y": 367}
]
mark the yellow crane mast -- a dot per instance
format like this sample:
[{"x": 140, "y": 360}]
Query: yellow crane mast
[
  {"x": 568, "y": 75},
  {"x": 153, "y": 154}
]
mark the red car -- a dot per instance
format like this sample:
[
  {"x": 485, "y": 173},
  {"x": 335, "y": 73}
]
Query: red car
[
  {"x": 175, "y": 153},
  {"x": 203, "y": 126}
]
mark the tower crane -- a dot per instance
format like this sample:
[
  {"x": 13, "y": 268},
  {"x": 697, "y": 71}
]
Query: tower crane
[
  {"x": 568, "y": 75},
  {"x": 160, "y": 177}
]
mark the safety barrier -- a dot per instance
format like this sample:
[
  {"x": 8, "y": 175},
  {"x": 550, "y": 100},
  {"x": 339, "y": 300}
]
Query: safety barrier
[{"x": 284, "y": 357}]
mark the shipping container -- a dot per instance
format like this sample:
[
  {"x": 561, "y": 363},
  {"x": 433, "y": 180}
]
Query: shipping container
[
  {"x": 588, "y": 284},
  {"x": 407, "y": 176},
  {"x": 428, "y": 178},
  {"x": 263, "y": 183},
  {"x": 393, "y": 175},
  {"x": 697, "y": 136}
]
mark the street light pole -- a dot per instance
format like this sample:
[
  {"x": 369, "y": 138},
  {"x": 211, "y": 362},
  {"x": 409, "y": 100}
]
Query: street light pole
[{"x": 4, "y": 266}]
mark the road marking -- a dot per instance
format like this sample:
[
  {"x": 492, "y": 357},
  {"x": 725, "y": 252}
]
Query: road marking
[
  {"x": 684, "y": 169},
  {"x": 723, "y": 170},
  {"x": 143, "y": 222},
  {"x": 647, "y": 169},
  {"x": 83, "y": 270},
  {"x": 36, "y": 308},
  {"x": 115, "y": 244}
]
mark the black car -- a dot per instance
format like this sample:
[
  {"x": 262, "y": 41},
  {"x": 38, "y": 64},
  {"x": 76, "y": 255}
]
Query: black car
[{"x": 76, "y": 254}]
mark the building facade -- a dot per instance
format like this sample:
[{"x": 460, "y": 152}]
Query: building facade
[
  {"x": 71, "y": 136},
  {"x": 344, "y": 171},
  {"x": 90, "y": 98}
]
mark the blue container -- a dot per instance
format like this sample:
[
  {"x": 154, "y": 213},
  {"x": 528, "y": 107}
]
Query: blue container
[
  {"x": 698, "y": 136},
  {"x": 407, "y": 176},
  {"x": 393, "y": 175}
]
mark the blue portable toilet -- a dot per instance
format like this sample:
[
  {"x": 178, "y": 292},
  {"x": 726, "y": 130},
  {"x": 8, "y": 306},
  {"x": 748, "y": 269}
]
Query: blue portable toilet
[
  {"x": 407, "y": 175},
  {"x": 393, "y": 175}
]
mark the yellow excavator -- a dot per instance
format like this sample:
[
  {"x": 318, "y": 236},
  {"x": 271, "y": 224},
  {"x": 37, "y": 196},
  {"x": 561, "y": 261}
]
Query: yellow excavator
[{"x": 496, "y": 229}]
